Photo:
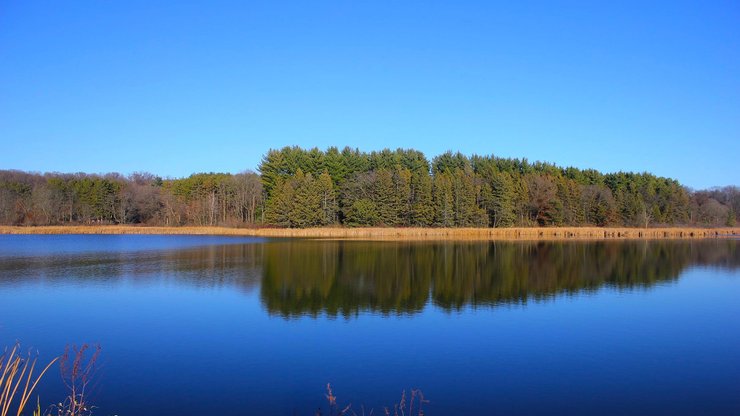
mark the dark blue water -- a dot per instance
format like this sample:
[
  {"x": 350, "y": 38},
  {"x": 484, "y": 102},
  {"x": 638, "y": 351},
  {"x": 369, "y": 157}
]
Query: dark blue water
[{"x": 232, "y": 326}]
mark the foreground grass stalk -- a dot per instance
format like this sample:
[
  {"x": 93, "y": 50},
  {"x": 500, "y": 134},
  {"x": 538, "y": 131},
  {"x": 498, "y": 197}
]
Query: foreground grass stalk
[
  {"x": 403, "y": 408},
  {"x": 78, "y": 371},
  {"x": 17, "y": 372}
]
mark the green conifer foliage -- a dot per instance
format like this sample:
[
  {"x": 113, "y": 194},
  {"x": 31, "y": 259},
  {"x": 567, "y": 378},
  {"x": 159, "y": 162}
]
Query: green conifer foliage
[
  {"x": 422, "y": 210},
  {"x": 386, "y": 199},
  {"x": 502, "y": 200},
  {"x": 279, "y": 207},
  {"x": 329, "y": 207},
  {"x": 404, "y": 196},
  {"x": 307, "y": 210},
  {"x": 443, "y": 200},
  {"x": 363, "y": 212}
]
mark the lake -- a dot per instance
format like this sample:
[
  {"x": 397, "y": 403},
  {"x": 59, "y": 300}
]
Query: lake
[{"x": 196, "y": 325}]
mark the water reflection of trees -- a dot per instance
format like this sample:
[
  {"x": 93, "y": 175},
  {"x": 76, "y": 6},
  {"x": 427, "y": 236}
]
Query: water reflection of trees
[
  {"x": 343, "y": 278},
  {"x": 300, "y": 277},
  {"x": 206, "y": 266}
]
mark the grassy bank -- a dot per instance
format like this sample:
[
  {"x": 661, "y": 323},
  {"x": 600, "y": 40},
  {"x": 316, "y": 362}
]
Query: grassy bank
[{"x": 550, "y": 233}]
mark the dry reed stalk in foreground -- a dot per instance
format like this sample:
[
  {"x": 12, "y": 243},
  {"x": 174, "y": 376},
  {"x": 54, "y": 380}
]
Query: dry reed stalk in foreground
[
  {"x": 17, "y": 373},
  {"x": 402, "y": 408},
  {"x": 77, "y": 373}
]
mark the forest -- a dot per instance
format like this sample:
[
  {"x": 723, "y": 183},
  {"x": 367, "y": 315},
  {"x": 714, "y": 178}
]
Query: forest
[{"x": 297, "y": 187}]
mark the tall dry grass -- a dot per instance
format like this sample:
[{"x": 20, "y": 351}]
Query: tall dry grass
[
  {"x": 78, "y": 371},
  {"x": 17, "y": 377},
  {"x": 522, "y": 233},
  {"x": 411, "y": 405}
]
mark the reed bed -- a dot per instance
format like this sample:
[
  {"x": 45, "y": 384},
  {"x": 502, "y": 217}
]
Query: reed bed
[{"x": 533, "y": 233}]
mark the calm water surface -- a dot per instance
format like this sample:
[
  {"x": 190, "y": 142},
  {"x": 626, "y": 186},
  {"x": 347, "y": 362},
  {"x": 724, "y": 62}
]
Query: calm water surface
[{"x": 232, "y": 326}]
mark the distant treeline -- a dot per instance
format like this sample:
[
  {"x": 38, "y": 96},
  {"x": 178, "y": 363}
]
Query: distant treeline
[{"x": 401, "y": 188}]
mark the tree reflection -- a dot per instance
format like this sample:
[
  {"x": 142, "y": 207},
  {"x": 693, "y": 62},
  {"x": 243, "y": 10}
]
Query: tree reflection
[
  {"x": 235, "y": 265},
  {"x": 344, "y": 278}
]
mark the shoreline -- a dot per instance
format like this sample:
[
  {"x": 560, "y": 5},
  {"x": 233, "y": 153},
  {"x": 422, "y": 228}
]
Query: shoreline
[{"x": 521, "y": 233}]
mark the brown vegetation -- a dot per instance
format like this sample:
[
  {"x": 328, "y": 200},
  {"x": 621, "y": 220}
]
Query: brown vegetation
[
  {"x": 77, "y": 372},
  {"x": 524, "y": 233},
  {"x": 17, "y": 376},
  {"x": 408, "y": 405}
]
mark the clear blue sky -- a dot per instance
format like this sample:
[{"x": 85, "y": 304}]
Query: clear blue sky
[{"x": 211, "y": 86}]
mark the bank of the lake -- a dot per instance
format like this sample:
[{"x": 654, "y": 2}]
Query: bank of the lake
[{"x": 377, "y": 233}]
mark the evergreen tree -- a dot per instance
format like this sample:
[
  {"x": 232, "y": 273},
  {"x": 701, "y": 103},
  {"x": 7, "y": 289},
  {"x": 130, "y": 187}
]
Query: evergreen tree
[
  {"x": 306, "y": 210},
  {"x": 363, "y": 212},
  {"x": 443, "y": 200},
  {"x": 422, "y": 208},
  {"x": 521, "y": 200},
  {"x": 271, "y": 169},
  {"x": 502, "y": 200},
  {"x": 385, "y": 198},
  {"x": 569, "y": 193},
  {"x": 403, "y": 199},
  {"x": 328, "y": 199},
  {"x": 464, "y": 199},
  {"x": 279, "y": 206},
  {"x": 336, "y": 165},
  {"x": 449, "y": 162}
]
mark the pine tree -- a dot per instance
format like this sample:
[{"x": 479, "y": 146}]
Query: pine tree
[
  {"x": 271, "y": 170},
  {"x": 521, "y": 200},
  {"x": 502, "y": 200},
  {"x": 306, "y": 210},
  {"x": 280, "y": 204},
  {"x": 328, "y": 199},
  {"x": 385, "y": 198},
  {"x": 443, "y": 202},
  {"x": 363, "y": 212},
  {"x": 403, "y": 197},
  {"x": 422, "y": 209},
  {"x": 466, "y": 196},
  {"x": 336, "y": 165},
  {"x": 569, "y": 192}
]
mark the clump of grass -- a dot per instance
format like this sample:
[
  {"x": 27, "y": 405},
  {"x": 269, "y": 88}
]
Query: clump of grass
[
  {"x": 404, "y": 408},
  {"x": 407, "y": 406},
  {"x": 78, "y": 371},
  {"x": 17, "y": 377}
]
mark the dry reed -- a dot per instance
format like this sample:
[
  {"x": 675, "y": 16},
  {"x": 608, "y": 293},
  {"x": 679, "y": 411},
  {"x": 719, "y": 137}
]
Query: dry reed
[
  {"x": 78, "y": 371},
  {"x": 16, "y": 376},
  {"x": 522, "y": 233},
  {"x": 407, "y": 406}
]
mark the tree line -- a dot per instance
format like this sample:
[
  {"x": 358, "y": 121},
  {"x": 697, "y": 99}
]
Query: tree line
[
  {"x": 140, "y": 198},
  {"x": 298, "y": 187},
  {"x": 402, "y": 188}
]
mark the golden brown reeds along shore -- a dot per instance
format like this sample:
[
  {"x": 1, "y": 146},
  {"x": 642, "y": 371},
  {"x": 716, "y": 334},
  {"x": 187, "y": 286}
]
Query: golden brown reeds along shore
[{"x": 533, "y": 233}]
